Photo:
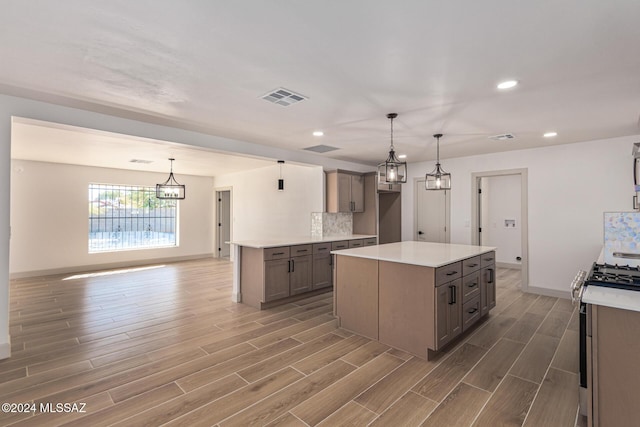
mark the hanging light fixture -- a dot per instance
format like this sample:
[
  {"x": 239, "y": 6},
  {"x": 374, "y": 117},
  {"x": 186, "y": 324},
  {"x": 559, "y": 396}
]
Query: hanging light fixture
[
  {"x": 281, "y": 180},
  {"x": 392, "y": 170},
  {"x": 170, "y": 189},
  {"x": 438, "y": 179}
]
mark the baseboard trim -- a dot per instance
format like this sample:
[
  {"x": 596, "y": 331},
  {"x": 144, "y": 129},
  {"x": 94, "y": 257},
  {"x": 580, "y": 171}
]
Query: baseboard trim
[
  {"x": 107, "y": 266},
  {"x": 549, "y": 292},
  {"x": 5, "y": 349},
  {"x": 514, "y": 266}
]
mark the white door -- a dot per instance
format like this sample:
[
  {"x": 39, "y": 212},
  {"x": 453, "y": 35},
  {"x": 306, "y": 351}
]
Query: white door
[
  {"x": 224, "y": 223},
  {"x": 432, "y": 214}
]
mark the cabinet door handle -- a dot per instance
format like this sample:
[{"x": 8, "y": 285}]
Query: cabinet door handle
[
  {"x": 451, "y": 273},
  {"x": 491, "y": 274},
  {"x": 473, "y": 310},
  {"x": 452, "y": 294},
  {"x": 293, "y": 266},
  {"x": 289, "y": 266}
]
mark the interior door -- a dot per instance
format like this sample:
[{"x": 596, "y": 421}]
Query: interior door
[
  {"x": 224, "y": 223},
  {"x": 432, "y": 214}
]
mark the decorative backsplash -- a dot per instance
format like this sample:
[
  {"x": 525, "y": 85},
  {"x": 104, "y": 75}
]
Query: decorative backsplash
[
  {"x": 622, "y": 238},
  {"x": 331, "y": 224}
]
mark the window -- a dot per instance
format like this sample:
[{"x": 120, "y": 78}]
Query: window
[{"x": 129, "y": 217}]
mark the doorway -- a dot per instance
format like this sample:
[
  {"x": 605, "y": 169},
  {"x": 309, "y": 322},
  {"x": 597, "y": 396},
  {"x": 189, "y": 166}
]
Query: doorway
[
  {"x": 499, "y": 217},
  {"x": 223, "y": 213},
  {"x": 432, "y": 214}
]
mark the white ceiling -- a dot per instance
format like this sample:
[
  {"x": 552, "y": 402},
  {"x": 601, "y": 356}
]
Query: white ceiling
[{"x": 206, "y": 64}]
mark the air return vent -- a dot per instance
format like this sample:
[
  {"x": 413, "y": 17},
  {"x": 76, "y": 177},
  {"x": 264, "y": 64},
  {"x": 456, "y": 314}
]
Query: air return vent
[
  {"x": 284, "y": 97},
  {"x": 503, "y": 137},
  {"x": 146, "y": 162},
  {"x": 321, "y": 148}
]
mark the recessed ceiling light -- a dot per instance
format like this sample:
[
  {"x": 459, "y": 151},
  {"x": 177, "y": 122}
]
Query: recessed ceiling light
[
  {"x": 507, "y": 84},
  {"x": 550, "y": 134},
  {"x": 318, "y": 133},
  {"x": 402, "y": 156}
]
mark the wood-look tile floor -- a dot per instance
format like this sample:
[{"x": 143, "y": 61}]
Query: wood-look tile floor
[{"x": 166, "y": 346}]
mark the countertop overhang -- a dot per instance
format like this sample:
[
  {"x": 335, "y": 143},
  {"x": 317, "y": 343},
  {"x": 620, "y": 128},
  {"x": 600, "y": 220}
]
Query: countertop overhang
[
  {"x": 273, "y": 242},
  {"x": 426, "y": 254}
]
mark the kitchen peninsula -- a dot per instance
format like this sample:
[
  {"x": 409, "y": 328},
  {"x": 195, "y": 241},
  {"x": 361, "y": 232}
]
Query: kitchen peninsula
[
  {"x": 274, "y": 271},
  {"x": 414, "y": 296}
]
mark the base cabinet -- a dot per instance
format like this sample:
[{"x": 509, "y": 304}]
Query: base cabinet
[
  {"x": 417, "y": 309},
  {"x": 613, "y": 345},
  {"x": 287, "y": 272},
  {"x": 487, "y": 289},
  {"x": 300, "y": 275},
  {"x": 448, "y": 312},
  {"x": 276, "y": 279}
]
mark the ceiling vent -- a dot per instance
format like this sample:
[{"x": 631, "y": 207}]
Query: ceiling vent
[
  {"x": 503, "y": 137},
  {"x": 284, "y": 97},
  {"x": 321, "y": 148},
  {"x": 146, "y": 162}
]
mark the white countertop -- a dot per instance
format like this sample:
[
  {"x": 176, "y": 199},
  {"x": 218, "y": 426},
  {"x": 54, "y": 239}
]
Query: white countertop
[
  {"x": 611, "y": 297},
  {"x": 425, "y": 254},
  {"x": 296, "y": 240}
]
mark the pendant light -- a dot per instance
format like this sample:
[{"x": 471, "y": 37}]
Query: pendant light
[
  {"x": 438, "y": 179},
  {"x": 392, "y": 170},
  {"x": 170, "y": 189},
  {"x": 280, "y": 180}
]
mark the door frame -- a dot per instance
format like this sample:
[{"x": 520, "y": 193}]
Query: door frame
[
  {"x": 524, "y": 209},
  {"x": 216, "y": 240},
  {"x": 447, "y": 220}
]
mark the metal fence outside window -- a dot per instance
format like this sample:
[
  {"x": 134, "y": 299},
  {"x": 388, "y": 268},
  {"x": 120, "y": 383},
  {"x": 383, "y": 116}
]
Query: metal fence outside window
[{"x": 130, "y": 217}]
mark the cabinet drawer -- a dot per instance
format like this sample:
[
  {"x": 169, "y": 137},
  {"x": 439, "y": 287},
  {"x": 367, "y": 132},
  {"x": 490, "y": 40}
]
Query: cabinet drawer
[
  {"x": 276, "y": 253},
  {"x": 356, "y": 243},
  {"x": 321, "y": 248},
  {"x": 448, "y": 273},
  {"x": 470, "y": 312},
  {"x": 371, "y": 242},
  {"x": 342, "y": 244},
  {"x": 470, "y": 265},
  {"x": 487, "y": 259},
  {"x": 470, "y": 286},
  {"x": 300, "y": 250}
]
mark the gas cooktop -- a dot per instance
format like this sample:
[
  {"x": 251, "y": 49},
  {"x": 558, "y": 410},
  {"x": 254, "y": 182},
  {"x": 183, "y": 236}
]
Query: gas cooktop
[{"x": 614, "y": 276}]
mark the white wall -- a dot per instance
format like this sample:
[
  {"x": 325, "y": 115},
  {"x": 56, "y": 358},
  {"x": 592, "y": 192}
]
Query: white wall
[
  {"x": 501, "y": 201},
  {"x": 570, "y": 186},
  {"x": 49, "y": 225},
  {"x": 259, "y": 210}
]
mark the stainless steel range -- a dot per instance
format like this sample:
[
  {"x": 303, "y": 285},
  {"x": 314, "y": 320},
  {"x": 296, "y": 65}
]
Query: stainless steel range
[{"x": 606, "y": 275}]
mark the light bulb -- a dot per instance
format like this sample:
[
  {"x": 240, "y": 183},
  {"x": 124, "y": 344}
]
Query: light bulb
[
  {"x": 392, "y": 174},
  {"x": 438, "y": 183}
]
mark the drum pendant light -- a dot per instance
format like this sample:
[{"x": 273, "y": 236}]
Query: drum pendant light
[
  {"x": 438, "y": 179},
  {"x": 392, "y": 170}
]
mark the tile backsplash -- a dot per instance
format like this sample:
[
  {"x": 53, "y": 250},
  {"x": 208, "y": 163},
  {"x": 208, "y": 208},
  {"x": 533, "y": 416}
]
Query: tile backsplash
[{"x": 331, "y": 224}]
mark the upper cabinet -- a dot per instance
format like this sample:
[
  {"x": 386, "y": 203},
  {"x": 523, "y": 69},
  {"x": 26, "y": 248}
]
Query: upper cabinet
[{"x": 345, "y": 191}]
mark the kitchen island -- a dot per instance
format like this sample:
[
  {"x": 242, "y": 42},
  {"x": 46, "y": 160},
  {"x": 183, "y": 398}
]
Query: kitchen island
[
  {"x": 414, "y": 296},
  {"x": 274, "y": 271}
]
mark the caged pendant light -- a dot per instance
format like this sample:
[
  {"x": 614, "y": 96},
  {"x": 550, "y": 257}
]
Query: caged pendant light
[
  {"x": 438, "y": 179},
  {"x": 170, "y": 189},
  {"x": 392, "y": 170}
]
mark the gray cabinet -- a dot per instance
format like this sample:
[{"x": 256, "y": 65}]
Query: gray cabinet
[
  {"x": 345, "y": 192},
  {"x": 276, "y": 279},
  {"x": 322, "y": 273},
  {"x": 487, "y": 283},
  {"x": 448, "y": 316},
  {"x": 300, "y": 276}
]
